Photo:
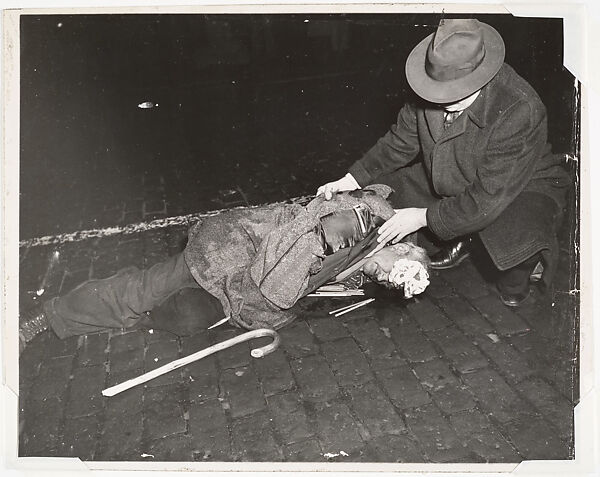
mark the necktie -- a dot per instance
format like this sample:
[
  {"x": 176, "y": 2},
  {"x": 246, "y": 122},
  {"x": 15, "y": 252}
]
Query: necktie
[{"x": 449, "y": 118}]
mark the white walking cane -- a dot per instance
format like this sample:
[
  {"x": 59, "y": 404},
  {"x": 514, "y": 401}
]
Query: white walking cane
[{"x": 256, "y": 353}]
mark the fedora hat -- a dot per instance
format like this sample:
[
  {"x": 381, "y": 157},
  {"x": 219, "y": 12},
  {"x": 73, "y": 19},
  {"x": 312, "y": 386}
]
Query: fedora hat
[{"x": 461, "y": 57}]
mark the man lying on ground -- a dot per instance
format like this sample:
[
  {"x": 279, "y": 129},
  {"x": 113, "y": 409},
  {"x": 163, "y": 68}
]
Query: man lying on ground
[{"x": 250, "y": 264}]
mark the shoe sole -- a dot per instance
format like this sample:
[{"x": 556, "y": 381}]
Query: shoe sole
[{"x": 447, "y": 267}]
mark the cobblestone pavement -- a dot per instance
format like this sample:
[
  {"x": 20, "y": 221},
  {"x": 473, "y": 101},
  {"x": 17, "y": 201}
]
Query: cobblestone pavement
[{"x": 451, "y": 376}]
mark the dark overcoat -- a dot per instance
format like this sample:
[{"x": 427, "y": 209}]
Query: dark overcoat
[{"x": 491, "y": 171}]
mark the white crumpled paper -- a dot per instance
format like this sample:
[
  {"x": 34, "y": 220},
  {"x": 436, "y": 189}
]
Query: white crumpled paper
[{"x": 410, "y": 274}]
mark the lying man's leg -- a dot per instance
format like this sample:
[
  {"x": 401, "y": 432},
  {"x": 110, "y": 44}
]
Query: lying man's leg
[{"x": 114, "y": 302}]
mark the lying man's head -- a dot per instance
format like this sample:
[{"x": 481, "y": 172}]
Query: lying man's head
[{"x": 403, "y": 265}]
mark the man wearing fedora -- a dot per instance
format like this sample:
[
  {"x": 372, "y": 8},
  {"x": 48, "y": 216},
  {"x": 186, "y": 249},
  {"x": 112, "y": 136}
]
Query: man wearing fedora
[{"x": 470, "y": 157}]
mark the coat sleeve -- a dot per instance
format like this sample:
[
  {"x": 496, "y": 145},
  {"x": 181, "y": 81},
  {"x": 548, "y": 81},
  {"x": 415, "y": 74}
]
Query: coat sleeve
[
  {"x": 516, "y": 144},
  {"x": 394, "y": 150}
]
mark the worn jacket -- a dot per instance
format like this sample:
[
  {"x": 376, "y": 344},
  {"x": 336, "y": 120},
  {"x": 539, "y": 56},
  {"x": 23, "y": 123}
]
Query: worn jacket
[
  {"x": 496, "y": 149},
  {"x": 258, "y": 261}
]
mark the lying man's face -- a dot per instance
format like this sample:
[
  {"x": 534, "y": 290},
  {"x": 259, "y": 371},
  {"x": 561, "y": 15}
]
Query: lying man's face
[{"x": 380, "y": 265}]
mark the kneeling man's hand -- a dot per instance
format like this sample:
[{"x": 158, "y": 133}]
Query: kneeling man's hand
[
  {"x": 346, "y": 183},
  {"x": 404, "y": 222}
]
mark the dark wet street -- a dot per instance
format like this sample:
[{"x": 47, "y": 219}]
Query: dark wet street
[
  {"x": 130, "y": 118},
  {"x": 268, "y": 106}
]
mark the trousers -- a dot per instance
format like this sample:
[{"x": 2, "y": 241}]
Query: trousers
[{"x": 164, "y": 296}]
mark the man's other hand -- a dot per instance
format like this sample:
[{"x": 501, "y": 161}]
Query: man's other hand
[
  {"x": 403, "y": 222},
  {"x": 344, "y": 184}
]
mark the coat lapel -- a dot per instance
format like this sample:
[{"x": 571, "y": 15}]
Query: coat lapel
[{"x": 435, "y": 122}]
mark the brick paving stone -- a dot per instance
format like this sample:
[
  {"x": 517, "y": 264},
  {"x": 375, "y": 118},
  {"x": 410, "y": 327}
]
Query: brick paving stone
[
  {"x": 126, "y": 351},
  {"x": 561, "y": 375},
  {"x": 327, "y": 328},
  {"x": 175, "y": 448},
  {"x": 163, "y": 413},
  {"x": 368, "y": 312},
  {"x": 124, "y": 403},
  {"x": 80, "y": 437},
  {"x": 453, "y": 398},
  {"x": 435, "y": 374},
  {"x": 508, "y": 360},
  {"x": 121, "y": 438},
  {"x": 202, "y": 379},
  {"x": 152, "y": 336},
  {"x": 126, "y": 360},
  {"x": 437, "y": 439},
  {"x": 465, "y": 316},
  {"x": 297, "y": 340},
  {"x": 201, "y": 376},
  {"x": 536, "y": 439},
  {"x": 502, "y": 318},
  {"x": 234, "y": 357},
  {"x": 495, "y": 396},
  {"x": 86, "y": 391},
  {"x": 275, "y": 373},
  {"x": 379, "y": 349},
  {"x": 532, "y": 344},
  {"x": 158, "y": 354},
  {"x": 126, "y": 341},
  {"x": 337, "y": 429},
  {"x": 289, "y": 417},
  {"x": 240, "y": 388},
  {"x": 375, "y": 411},
  {"x": 92, "y": 348},
  {"x": 208, "y": 428},
  {"x": 540, "y": 315},
  {"x": 401, "y": 448},
  {"x": 412, "y": 343},
  {"x": 315, "y": 378},
  {"x": 349, "y": 365},
  {"x": 551, "y": 404},
  {"x": 53, "y": 346},
  {"x": 41, "y": 428},
  {"x": 465, "y": 356},
  {"x": 482, "y": 439},
  {"x": 403, "y": 387},
  {"x": 438, "y": 287},
  {"x": 253, "y": 440},
  {"x": 52, "y": 379},
  {"x": 466, "y": 280},
  {"x": 305, "y": 451},
  {"x": 427, "y": 315}
]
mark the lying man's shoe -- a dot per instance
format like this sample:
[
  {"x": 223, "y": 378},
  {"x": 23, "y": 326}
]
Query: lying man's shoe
[
  {"x": 451, "y": 256},
  {"x": 514, "y": 299},
  {"x": 34, "y": 322}
]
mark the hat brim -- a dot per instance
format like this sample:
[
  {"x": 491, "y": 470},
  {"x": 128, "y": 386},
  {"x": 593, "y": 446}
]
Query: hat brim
[{"x": 450, "y": 91}]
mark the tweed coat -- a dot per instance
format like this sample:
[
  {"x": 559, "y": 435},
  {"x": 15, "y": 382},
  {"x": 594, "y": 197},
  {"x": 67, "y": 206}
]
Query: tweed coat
[
  {"x": 470, "y": 174},
  {"x": 258, "y": 261}
]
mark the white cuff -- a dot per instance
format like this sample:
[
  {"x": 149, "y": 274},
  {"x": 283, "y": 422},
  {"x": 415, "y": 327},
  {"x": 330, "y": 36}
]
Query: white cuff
[{"x": 352, "y": 180}]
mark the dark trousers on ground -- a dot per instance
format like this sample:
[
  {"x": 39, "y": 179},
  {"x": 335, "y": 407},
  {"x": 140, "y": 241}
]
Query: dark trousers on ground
[{"x": 168, "y": 289}]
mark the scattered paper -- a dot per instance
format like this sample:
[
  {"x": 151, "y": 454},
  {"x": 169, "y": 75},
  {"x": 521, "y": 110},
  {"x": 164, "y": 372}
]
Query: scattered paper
[
  {"x": 493, "y": 337},
  {"x": 148, "y": 455}
]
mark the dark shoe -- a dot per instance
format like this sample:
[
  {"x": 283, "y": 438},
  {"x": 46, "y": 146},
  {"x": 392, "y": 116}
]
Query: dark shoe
[
  {"x": 514, "y": 299},
  {"x": 33, "y": 323},
  {"x": 452, "y": 256}
]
